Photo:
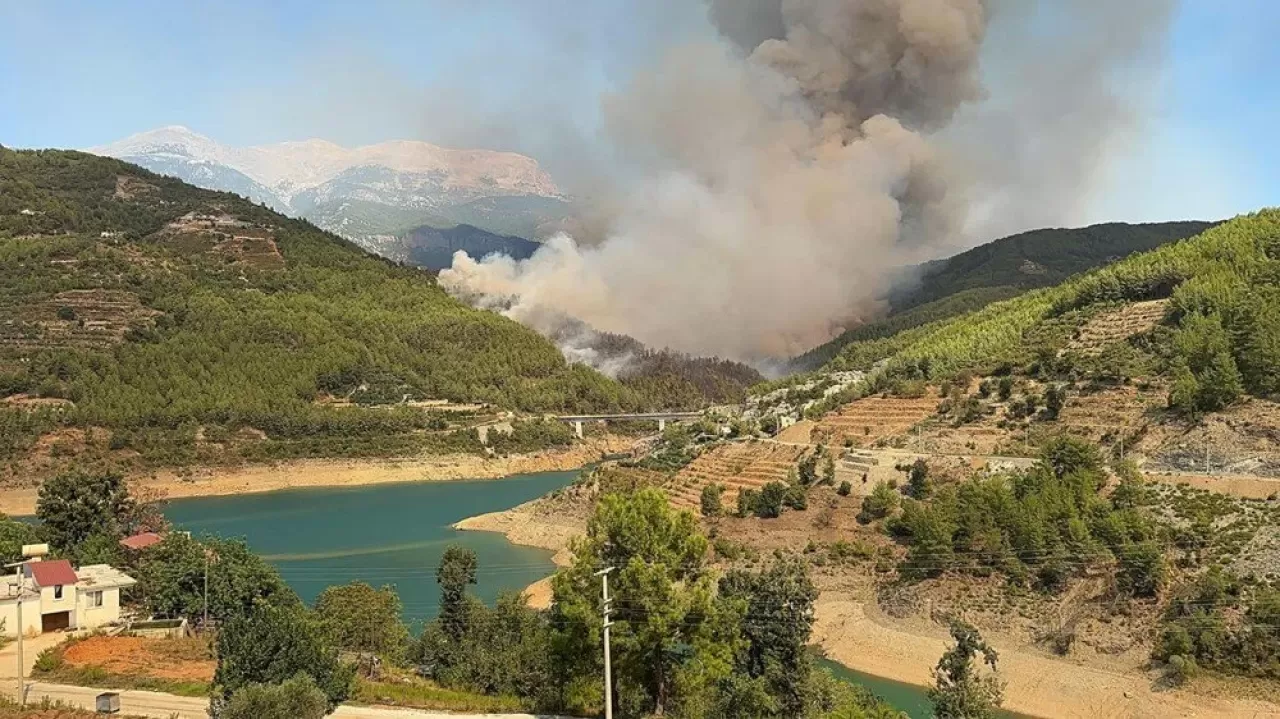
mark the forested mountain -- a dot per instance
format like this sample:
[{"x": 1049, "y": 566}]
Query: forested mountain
[
  {"x": 1002, "y": 269},
  {"x": 156, "y": 316},
  {"x": 1215, "y": 335},
  {"x": 433, "y": 248}
]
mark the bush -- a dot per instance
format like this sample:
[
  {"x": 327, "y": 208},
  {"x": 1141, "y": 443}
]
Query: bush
[
  {"x": 796, "y": 498},
  {"x": 297, "y": 698},
  {"x": 845, "y": 489},
  {"x": 772, "y": 497},
  {"x": 1182, "y": 669},
  {"x": 882, "y": 502},
  {"x": 49, "y": 660},
  {"x": 748, "y": 500},
  {"x": 710, "y": 500}
]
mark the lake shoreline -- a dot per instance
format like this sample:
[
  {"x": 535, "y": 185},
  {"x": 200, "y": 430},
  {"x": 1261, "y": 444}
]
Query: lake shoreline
[
  {"x": 318, "y": 473},
  {"x": 859, "y": 638}
]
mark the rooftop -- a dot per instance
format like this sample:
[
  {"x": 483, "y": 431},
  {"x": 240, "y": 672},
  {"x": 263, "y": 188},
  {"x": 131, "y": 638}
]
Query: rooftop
[
  {"x": 52, "y": 573},
  {"x": 9, "y": 589},
  {"x": 141, "y": 541},
  {"x": 103, "y": 576}
]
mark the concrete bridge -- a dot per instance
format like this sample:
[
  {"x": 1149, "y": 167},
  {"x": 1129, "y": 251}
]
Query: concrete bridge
[{"x": 661, "y": 417}]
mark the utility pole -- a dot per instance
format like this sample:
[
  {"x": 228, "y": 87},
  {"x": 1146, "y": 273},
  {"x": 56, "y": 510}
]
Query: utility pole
[
  {"x": 22, "y": 684},
  {"x": 205, "y": 626},
  {"x": 608, "y": 671},
  {"x": 28, "y": 551}
]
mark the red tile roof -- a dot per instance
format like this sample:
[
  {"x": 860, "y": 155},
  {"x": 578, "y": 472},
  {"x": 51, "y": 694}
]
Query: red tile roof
[
  {"x": 141, "y": 541},
  {"x": 50, "y": 574}
]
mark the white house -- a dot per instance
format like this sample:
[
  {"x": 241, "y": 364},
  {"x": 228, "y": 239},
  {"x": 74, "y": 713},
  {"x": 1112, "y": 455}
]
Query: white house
[{"x": 54, "y": 596}]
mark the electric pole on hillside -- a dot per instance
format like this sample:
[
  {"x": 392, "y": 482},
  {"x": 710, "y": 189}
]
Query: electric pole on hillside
[{"x": 605, "y": 612}]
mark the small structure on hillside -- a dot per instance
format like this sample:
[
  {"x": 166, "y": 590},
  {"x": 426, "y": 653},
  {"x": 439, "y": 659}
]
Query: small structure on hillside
[
  {"x": 54, "y": 596},
  {"x": 141, "y": 541}
]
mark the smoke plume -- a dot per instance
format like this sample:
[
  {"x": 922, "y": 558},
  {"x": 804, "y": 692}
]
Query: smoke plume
[{"x": 775, "y": 177}]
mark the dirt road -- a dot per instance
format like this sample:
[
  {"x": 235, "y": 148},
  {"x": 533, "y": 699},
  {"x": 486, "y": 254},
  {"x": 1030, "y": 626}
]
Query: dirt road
[{"x": 164, "y": 706}]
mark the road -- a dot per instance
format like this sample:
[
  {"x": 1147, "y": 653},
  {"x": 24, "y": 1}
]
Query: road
[{"x": 167, "y": 706}]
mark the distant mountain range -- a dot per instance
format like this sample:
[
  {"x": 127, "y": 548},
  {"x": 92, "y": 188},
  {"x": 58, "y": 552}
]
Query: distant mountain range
[{"x": 380, "y": 196}]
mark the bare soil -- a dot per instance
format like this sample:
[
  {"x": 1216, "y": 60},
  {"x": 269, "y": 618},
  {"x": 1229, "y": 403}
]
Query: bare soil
[
  {"x": 188, "y": 659},
  {"x": 345, "y": 473}
]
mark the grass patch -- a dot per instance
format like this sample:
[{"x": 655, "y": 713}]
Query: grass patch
[{"x": 423, "y": 694}]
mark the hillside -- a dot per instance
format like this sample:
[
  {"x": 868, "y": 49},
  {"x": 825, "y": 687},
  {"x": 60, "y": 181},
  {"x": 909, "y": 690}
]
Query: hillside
[
  {"x": 365, "y": 193},
  {"x": 148, "y": 320},
  {"x": 1168, "y": 355},
  {"x": 432, "y": 248},
  {"x": 999, "y": 270}
]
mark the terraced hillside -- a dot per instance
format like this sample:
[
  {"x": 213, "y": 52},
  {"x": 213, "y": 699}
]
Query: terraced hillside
[
  {"x": 1118, "y": 325},
  {"x": 735, "y": 466},
  {"x": 862, "y": 422},
  {"x": 168, "y": 321}
]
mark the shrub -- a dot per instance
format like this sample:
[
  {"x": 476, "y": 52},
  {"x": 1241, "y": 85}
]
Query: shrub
[
  {"x": 710, "y": 500},
  {"x": 845, "y": 489},
  {"x": 1182, "y": 669},
  {"x": 796, "y": 498},
  {"x": 882, "y": 502},
  {"x": 49, "y": 660},
  {"x": 772, "y": 497}
]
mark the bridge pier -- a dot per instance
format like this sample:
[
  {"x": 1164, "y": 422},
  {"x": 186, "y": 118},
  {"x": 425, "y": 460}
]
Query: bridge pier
[
  {"x": 577, "y": 428},
  {"x": 662, "y": 425}
]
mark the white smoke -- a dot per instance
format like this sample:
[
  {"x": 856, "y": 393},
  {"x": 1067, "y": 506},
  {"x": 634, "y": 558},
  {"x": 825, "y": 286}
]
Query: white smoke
[{"x": 773, "y": 180}]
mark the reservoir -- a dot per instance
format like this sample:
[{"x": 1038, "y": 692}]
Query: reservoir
[
  {"x": 387, "y": 534},
  {"x": 395, "y": 534}
]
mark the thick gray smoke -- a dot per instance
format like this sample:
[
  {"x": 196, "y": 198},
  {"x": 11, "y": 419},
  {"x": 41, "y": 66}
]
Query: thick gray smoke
[{"x": 775, "y": 178}]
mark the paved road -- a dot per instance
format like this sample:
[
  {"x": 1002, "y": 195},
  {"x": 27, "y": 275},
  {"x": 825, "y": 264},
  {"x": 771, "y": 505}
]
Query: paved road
[{"x": 166, "y": 706}]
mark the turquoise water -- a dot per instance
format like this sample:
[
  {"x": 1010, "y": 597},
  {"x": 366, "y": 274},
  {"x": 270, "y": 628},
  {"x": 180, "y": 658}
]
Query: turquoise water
[
  {"x": 390, "y": 534},
  {"x": 905, "y": 697}
]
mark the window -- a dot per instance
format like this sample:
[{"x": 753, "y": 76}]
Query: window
[
  {"x": 57, "y": 592},
  {"x": 95, "y": 599}
]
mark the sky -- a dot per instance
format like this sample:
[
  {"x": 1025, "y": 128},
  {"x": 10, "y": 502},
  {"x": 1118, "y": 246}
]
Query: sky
[{"x": 527, "y": 75}]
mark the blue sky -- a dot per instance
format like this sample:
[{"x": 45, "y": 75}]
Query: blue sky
[{"x": 75, "y": 74}]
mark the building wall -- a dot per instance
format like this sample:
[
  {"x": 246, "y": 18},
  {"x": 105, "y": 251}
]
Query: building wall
[
  {"x": 50, "y": 605},
  {"x": 87, "y": 617},
  {"x": 30, "y": 616}
]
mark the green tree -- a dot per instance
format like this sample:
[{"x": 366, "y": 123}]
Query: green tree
[
  {"x": 828, "y": 469},
  {"x": 1220, "y": 384},
  {"x": 1065, "y": 455},
  {"x": 171, "y": 579},
  {"x": 918, "y": 484},
  {"x": 75, "y": 506},
  {"x": 1142, "y": 569},
  {"x": 1184, "y": 394},
  {"x": 456, "y": 572},
  {"x": 710, "y": 500},
  {"x": 357, "y": 617},
  {"x": 1055, "y": 398},
  {"x": 670, "y": 642},
  {"x": 13, "y": 535},
  {"x": 506, "y": 651},
  {"x": 296, "y": 698},
  {"x": 776, "y": 623},
  {"x": 882, "y": 502},
  {"x": 271, "y": 645},
  {"x": 772, "y": 497},
  {"x": 960, "y": 690}
]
